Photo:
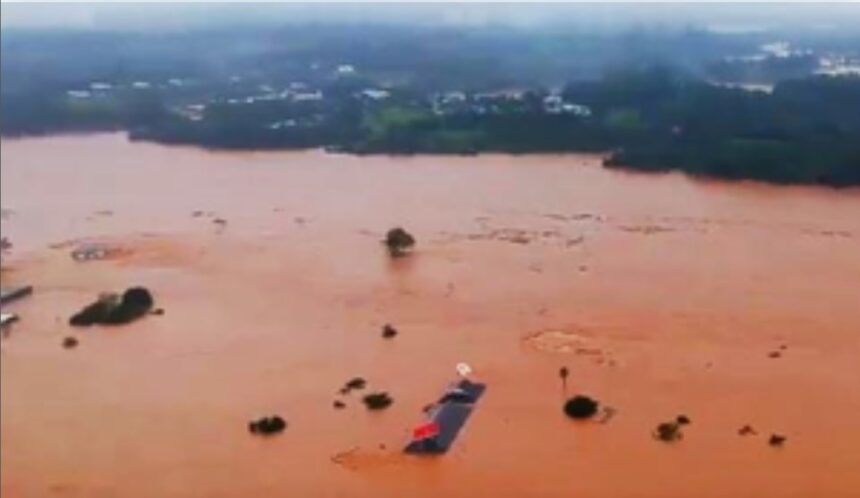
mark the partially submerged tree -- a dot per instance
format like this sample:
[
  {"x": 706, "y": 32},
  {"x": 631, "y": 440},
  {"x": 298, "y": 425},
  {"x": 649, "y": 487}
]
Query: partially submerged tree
[
  {"x": 399, "y": 242},
  {"x": 563, "y": 373}
]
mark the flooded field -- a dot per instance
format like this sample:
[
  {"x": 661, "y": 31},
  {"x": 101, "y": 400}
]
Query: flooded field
[{"x": 731, "y": 303}]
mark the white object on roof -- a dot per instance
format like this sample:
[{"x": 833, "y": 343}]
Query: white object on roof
[{"x": 464, "y": 369}]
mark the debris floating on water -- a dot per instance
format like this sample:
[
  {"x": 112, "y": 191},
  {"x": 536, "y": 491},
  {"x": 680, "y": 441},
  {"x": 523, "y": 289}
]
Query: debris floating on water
[
  {"x": 7, "y": 319},
  {"x": 9, "y": 294},
  {"x": 682, "y": 420},
  {"x": 93, "y": 252},
  {"x": 338, "y": 404},
  {"x": 70, "y": 342}
]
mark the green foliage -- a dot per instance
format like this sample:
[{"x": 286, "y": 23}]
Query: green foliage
[{"x": 651, "y": 116}]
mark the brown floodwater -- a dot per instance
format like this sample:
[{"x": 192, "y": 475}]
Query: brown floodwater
[{"x": 663, "y": 295}]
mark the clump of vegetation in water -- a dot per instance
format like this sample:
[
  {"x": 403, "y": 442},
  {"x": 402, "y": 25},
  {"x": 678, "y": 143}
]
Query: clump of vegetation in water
[
  {"x": 399, "y": 242},
  {"x": 267, "y": 425},
  {"x": 112, "y": 309},
  {"x": 747, "y": 430},
  {"x": 377, "y": 401},
  {"x": 668, "y": 432},
  {"x": 580, "y": 407},
  {"x": 388, "y": 331},
  {"x": 776, "y": 440},
  {"x": 353, "y": 384}
]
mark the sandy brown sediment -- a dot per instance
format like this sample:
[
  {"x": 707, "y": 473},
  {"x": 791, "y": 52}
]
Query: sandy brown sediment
[{"x": 266, "y": 315}]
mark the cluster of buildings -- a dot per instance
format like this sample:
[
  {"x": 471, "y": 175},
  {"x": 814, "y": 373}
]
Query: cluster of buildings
[
  {"x": 101, "y": 89},
  {"x": 838, "y": 65},
  {"x": 505, "y": 101},
  {"x": 180, "y": 95}
]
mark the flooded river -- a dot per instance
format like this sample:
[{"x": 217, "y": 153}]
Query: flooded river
[{"x": 731, "y": 303}]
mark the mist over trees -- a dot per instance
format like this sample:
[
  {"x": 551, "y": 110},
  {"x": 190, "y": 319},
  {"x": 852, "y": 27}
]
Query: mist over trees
[{"x": 653, "y": 99}]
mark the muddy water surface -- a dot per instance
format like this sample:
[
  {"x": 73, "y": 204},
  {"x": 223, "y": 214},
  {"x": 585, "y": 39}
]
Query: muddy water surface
[{"x": 662, "y": 295}]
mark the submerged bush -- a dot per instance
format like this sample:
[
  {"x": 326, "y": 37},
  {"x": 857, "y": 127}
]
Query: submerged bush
[
  {"x": 388, "y": 331},
  {"x": 355, "y": 383},
  {"x": 267, "y": 425},
  {"x": 109, "y": 308},
  {"x": 668, "y": 432},
  {"x": 580, "y": 407},
  {"x": 377, "y": 401},
  {"x": 399, "y": 242}
]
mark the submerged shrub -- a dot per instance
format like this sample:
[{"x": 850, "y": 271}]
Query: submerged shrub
[
  {"x": 377, "y": 401},
  {"x": 354, "y": 383},
  {"x": 388, "y": 331},
  {"x": 668, "y": 432},
  {"x": 580, "y": 407},
  {"x": 109, "y": 308},
  {"x": 267, "y": 425},
  {"x": 399, "y": 241}
]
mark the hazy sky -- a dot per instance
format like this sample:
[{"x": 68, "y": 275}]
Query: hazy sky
[{"x": 130, "y": 15}]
